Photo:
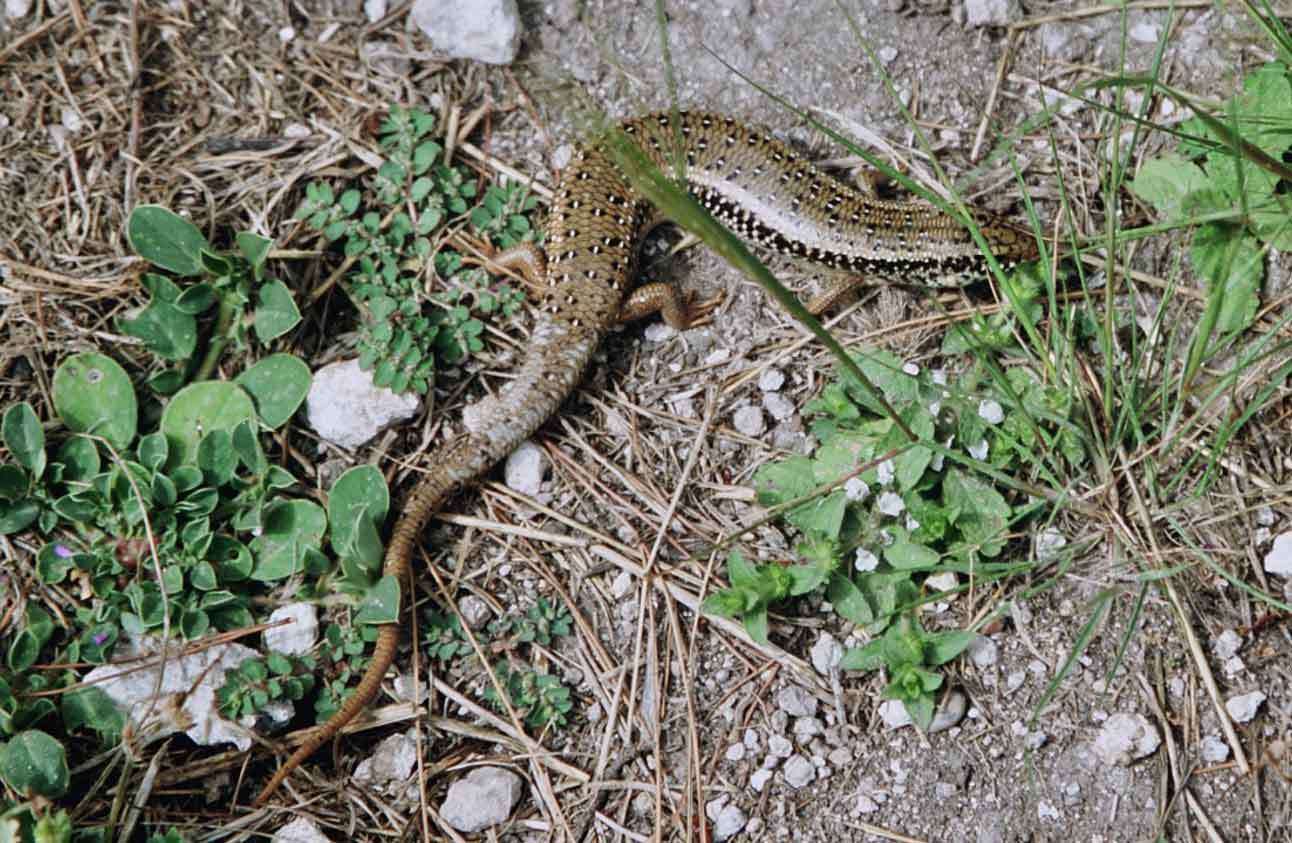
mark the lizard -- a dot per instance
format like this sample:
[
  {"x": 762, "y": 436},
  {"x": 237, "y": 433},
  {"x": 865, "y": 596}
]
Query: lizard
[{"x": 755, "y": 184}]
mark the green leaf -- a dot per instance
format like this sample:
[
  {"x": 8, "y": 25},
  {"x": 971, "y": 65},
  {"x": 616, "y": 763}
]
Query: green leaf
[
  {"x": 278, "y": 385},
  {"x": 34, "y": 764},
  {"x": 277, "y": 312},
  {"x": 14, "y": 483},
  {"x": 18, "y": 516},
  {"x": 93, "y": 394},
  {"x": 381, "y": 604},
  {"x": 1167, "y": 183},
  {"x": 290, "y": 527},
  {"x": 167, "y": 330},
  {"x": 849, "y": 600},
  {"x": 255, "y": 249},
  {"x": 166, "y": 239},
  {"x": 90, "y": 707},
  {"x": 867, "y": 658},
  {"x": 942, "y": 647},
  {"x": 198, "y": 409},
  {"x": 908, "y": 556},
  {"x": 1232, "y": 263},
  {"x": 216, "y": 457},
  {"x": 25, "y": 437}
]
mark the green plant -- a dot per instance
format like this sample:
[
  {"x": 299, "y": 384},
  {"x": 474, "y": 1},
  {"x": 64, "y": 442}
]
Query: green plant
[
  {"x": 259, "y": 681},
  {"x": 540, "y": 698},
  {"x": 231, "y": 281},
  {"x": 387, "y": 230},
  {"x": 907, "y": 652},
  {"x": 1215, "y": 182},
  {"x": 878, "y": 513}
]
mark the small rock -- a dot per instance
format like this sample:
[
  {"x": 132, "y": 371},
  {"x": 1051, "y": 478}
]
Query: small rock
[
  {"x": 751, "y": 739},
  {"x": 864, "y": 805},
  {"x": 796, "y": 701},
  {"x": 484, "y": 797},
  {"x": 390, "y": 763},
  {"x": 622, "y": 585},
  {"x": 483, "y": 30},
  {"x": 659, "y": 332},
  {"x": 374, "y": 10},
  {"x": 759, "y": 779},
  {"x": 731, "y": 820},
  {"x": 344, "y": 407},
  {"x": 840, "y": 757},
  {"x": 894, "y": 715},
  {"x": 943, "y": 581},
  {"x": 983, "y": 652},
  {"x": 806, "y": 728},
  {"x": 749, "y": 420},
  {"x": 827, "y": 653},
  {"x": 475, "y": 612},
  {"x": 1279, "y": 559},
  {"x": 778, "y": 722},
  {"x": 799, "y": 772},
  {"x": 524, "y": 469},
  {"x": 300, "y": 830},
  {"x": 1233, "y": 667},
  {"x": 887, "y": 55},
  {"x": 295, "y": 637},
  {"x": 1046, "y": 811},
  {"x": 779, "y": 407},
  {"x": 1265, "y": 516},
  {"x": 1014, "y": 681},
  {"x": 736, "y": 752},
  {"x": 779, "y": 746},
  {"x": 950, "y": 712},
  {"x": 1124, "y": 738},
  {"x": 1214, "y": 749},
  {"x": 1049, "y": 543},
  {"x": 771, "y": 380},
  {"x": 1243, "y": 707},
  {"x": 991, "y": 12}
]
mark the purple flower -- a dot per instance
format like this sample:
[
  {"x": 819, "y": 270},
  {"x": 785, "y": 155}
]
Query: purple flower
[
  {"x": 98, "y": 638},
  {"x": 62, "y": 551}
]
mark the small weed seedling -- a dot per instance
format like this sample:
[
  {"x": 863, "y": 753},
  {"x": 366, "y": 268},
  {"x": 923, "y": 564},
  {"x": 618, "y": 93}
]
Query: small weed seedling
[{"x": 392, "y": 248}]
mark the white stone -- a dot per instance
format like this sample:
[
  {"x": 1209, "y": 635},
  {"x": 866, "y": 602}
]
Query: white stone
[
  {"x": 1124, "y": 738},
  {"x": 980, "y": 450},
  {"x": 865, "y": 561},
  {"x": 759, "y": 779},
  {"x": 730, "y": 822},
  {"x": 299, "y": 634},
  {"x": 300, "y": 830},
  {"x": 483, "y": 798},
  {"x": 1214, "y": 749},
  {"x": 524, "y": 469},
  {"x": 177, "y": 694},
  {"x": 749, "y": 420},
  {"x": 475, "y": 612},
  {"x": 1279, "y": 559},
  {"x": 796, "y": 701},
  {"x": 943, "y": 581},
  {"x": 798, "y": 771},
  {"x": 391, "y": 763},
  {"x": 482, "y": 30},
  {"x": 891, "y": 504},
  {"x": 622, "y": 585},
  {"x": 778, "y": 406},
  {"x": 807, "y": 728},
  {"x": 1243, "y": 707},
  {"x": 894, "y": 715},
  {"x": 990, "y": 411},
  {"x": 659, "y": 332},
  {"x": 1049, "y": 543},
  {"x": 983, "y": 652},
  {"x": 991, "y": 12},
  {"x": 779, "y": 746},
  {"x": 17, "y": 8},
  {"x": 374, "y": 10},
  {"x": 771, "y": 380},
  {"x": 345, "y": 408},
  {"x": 826, "y": 654},
  {"x": 736, "y": 752}
]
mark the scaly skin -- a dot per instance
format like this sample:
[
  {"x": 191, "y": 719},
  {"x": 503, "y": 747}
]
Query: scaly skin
[{"x": 753, "y": 183}]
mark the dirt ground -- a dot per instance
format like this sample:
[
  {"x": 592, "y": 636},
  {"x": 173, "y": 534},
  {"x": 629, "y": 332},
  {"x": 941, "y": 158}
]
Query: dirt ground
[{"x": 669, "y": 697}]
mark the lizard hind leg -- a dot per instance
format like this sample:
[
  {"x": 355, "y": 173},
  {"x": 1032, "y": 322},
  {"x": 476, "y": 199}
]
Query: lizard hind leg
[{"x": 658, "y": 297}]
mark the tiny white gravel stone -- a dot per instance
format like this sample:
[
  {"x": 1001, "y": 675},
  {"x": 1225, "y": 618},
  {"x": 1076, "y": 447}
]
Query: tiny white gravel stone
[
  {"x": 891, "y": 503},
  {"x": 1243, "y": 707},
  {"x": 798, "y": 772},
  {"x": 796, "y": 701},
  {"x": 483, "y": 798},
  {"x": 749, "y": 420},
  {"x": 1214, "y": 749},
  {"x": 1279, "y": 560},
  {"x": 524, "y": 469},
  {"x": 343, "y": 405},
  {"x": 827, "y": 653},
  {"x": 983, "y": 652},
  {"x": 980, "y": 450},
  {"x": 943, "y": 581},
  {"x": 736, "y": 752},
  {"x": 622, "y": 584},
  {"x": 865, "y": 561},
  {"x": 730, "y": 822},
  {"x": 1049, "y": 543},
  {"x": 475, "y": 612},
  {"x": 779, "y": 746},
  {"x": 296, "y": 637},
  {"x": 855, "y": 489},
  {"x": 759, "y": 779},
  {"x": 1124, "y": 738},
  {"x": 991, "y": 412},
  {"x": 778, "y": 406},
  {"x": 300, "y": 830},
  {"x": 771, "y": 380},
  {"x": 659, "y": 332}
]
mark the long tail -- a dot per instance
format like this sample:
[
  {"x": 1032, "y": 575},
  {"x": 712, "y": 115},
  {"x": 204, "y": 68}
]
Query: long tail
[{"x": 426, "y": 499}]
